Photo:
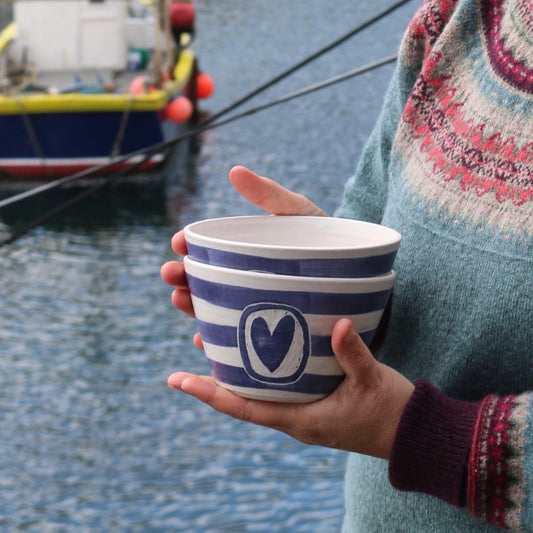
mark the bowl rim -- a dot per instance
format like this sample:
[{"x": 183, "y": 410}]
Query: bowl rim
[
  {"x": 194, "y": 236},
  {"x": 269, "y": 281}
]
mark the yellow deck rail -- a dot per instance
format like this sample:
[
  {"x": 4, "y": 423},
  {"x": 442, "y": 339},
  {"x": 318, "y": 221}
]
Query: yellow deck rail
[
  {"x": 7, "y": 34},
  {"x": 75, "y": 102}
]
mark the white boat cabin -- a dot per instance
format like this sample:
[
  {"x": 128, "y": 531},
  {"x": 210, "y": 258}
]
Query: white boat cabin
[{"x": 82, "y": 35}]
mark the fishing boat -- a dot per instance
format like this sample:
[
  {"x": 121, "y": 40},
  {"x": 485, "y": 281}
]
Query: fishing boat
[{"x": 84, "y": 83}]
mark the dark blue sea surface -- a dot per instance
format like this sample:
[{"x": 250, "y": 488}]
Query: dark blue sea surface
[{"x": 91, "y": 437}]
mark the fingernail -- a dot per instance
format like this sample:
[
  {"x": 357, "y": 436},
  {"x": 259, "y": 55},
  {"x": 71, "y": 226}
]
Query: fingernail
[
  {"x": 174, "y": 381},
  {"x": 184, "y": 383},
  {"x": 349, "y": 331}
]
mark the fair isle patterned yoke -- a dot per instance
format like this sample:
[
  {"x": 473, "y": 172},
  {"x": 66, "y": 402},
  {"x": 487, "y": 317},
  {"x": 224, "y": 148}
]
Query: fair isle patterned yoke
[
  {"x": 505, "y": 47},
  {"x": 469, "y": 118},
  {"x": 463, "y": 122}
]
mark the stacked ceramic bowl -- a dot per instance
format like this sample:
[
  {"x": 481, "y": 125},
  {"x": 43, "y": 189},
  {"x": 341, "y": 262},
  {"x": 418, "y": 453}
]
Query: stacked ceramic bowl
[{"x": 267, "y": 291}]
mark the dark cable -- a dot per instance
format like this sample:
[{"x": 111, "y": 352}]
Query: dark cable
[
  {"x": 106, "y": 181},
  {"x": 307, "y": 60},
  {"x": 161, "y": 146}
]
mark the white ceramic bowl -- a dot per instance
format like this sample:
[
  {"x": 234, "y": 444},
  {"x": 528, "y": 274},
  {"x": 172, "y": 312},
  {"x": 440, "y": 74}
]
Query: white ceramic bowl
[
  {"x": 295, "y": 245},
  {"x": 268, "y": 336}
]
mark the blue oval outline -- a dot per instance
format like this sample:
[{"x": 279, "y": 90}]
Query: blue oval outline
[{"x": 298, "y": 316}]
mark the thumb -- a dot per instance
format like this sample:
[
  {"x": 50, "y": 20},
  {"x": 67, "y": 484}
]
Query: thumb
[{"x": 352, "y": 353}]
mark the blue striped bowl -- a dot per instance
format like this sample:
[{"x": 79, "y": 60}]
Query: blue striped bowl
[
  {"x": 268, "y": 336},
  {"x": 295, "y": 245}
]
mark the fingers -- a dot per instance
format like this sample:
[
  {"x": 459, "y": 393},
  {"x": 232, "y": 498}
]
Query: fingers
[
  {"x": 178, "y": 243},
  {"x": 197, "y": 339},
  {"x": 173, "y": 273},
  {"x": 181, "y": 298},
  {"x": 176, "y": 379},
  {"x": 205, "y": 389},
  {"x": 271, "y": 196}
]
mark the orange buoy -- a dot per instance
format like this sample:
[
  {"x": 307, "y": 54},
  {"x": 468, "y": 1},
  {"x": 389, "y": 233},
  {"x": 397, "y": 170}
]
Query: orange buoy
[
  {"x": 204, "y": 85},
  {"x": 179, "y": 110}
]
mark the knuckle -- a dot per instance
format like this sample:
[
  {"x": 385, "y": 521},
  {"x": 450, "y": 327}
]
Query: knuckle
[{"x": 245, "y": 413}]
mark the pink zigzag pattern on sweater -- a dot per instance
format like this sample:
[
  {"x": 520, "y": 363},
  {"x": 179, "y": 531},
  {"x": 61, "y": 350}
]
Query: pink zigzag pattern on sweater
[{"x": 459, "y": 149}]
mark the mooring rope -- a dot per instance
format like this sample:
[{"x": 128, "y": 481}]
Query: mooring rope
[
  {"x": 32, "y": 136},
  {"x": 115, "y": 151}
]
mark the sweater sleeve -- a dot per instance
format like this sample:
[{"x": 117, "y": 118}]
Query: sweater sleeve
[{"x": 477, "y": 455}]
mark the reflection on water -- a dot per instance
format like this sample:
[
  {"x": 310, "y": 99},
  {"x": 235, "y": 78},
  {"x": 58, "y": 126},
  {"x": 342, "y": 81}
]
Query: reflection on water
[
  {"x": 91, "y": 437},
  {"x": 110, "y": 208}
]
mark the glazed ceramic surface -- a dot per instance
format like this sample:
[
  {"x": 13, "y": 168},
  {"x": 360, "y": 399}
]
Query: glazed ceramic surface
[
  {"x": 268, "y": 336},
  {"x": 295, "y": 245}
]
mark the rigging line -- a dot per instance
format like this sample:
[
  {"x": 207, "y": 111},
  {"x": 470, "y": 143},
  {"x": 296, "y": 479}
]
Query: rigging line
[
  {"x": 122, "y": 129},
  {"x": 310, "y": 89},
  {"x": 308, "y": 59},
  {"x": 94, "y": 170},
  {"x": 105, "y": 181},
  {"x": 30, "y": 130},
  {"x": 296, "y": 94}
]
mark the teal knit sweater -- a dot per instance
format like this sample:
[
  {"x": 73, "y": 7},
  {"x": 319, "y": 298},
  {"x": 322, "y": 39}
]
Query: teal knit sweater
[{"x": 450, "y": 166}]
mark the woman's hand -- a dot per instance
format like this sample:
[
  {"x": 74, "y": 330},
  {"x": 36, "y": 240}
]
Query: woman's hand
[
  {"x": 260, "y": 191},
  {"x": 361, "y": 415}
]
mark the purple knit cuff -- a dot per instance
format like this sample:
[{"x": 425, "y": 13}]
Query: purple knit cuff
[{"x": 432, "y": 445}]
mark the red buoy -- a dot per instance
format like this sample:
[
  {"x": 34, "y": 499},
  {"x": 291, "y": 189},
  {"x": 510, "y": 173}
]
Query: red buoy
[
  {"x": 204, "y": 85},
  {"x": 179, "y": 110}
]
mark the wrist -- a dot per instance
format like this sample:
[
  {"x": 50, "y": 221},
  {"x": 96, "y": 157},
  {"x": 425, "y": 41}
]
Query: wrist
[{"x": 397, "y": 397}]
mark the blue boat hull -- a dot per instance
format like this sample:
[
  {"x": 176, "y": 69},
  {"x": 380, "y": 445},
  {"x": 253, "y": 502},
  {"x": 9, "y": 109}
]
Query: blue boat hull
[{"x": 61, "y": 143}]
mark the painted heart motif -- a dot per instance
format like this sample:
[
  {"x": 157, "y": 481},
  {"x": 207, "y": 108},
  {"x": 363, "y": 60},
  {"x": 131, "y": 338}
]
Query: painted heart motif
[{"x": 272, "y": 347}]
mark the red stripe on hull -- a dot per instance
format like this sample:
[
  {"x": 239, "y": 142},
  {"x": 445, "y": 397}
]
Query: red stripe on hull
[{"x": 53, "y": 171}]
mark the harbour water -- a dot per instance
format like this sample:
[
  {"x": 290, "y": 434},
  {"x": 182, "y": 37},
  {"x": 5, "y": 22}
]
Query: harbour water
[{"x": 91, "y": 438}]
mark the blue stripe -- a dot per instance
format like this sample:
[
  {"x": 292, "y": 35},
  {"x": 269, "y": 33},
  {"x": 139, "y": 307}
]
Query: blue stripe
[
  {"x": 219, "y": 335},
  {"x": 227, "y": 336},
  {"x": 232, "y": 297},
  {"x": 330, "y": 268},
  {"x": 321, "y": 345},
  {"x": 367, "y": 336},
  {"x": 308, "y": 383}
]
